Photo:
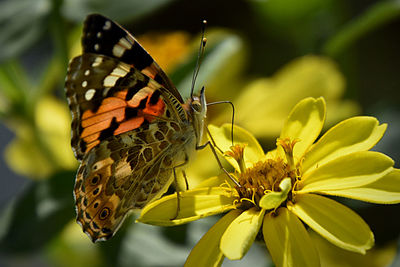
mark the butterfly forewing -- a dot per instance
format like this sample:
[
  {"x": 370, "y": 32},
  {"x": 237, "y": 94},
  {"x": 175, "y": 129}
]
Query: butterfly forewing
[{"x": 108, "y": 97}]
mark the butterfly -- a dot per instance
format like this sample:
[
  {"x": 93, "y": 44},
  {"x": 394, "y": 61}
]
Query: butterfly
[{"x": 130, "y": 127}]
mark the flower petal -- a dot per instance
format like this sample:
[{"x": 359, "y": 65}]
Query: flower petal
[
  {"x": 355, "y": 134},
  {"x": 241, "y": 233},
  {"x": 207, "y": 252},
  {"x": 305, "y": 122},
  {"x": 331, "y": 255},
  {"x": 194, "y": 204},
  {"x": 288, "y": 241},
  {"x": 215, "y": 181},
  {"x": 334, "y": 221},
  {"x": 352, "y": 170},
  {"x": 386, "y": 190},
  {"x": 222, "y": 137},
  {"x": 272, "y": 200}
]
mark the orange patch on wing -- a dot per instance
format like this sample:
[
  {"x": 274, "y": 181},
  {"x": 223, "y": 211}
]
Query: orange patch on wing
[
  {"x": 91, "y": 145},
  {"x": 156, "y": 109},
  {"x": 121, "y": 94},
  {"x": 129, "y": 125},
  {"x": 95, "y": 128},
  {"x": 106, "y": 116},
  {"x": 107, "y": 105},
  {"x": 150, "y": 71},
  {"x": 93, "y": 123}
]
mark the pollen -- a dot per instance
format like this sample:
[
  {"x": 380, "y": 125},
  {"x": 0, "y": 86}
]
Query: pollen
[{"x": 264, "y": 176}]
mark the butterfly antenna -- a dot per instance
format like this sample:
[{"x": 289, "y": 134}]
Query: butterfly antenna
[{"x": 199, "y": 57}]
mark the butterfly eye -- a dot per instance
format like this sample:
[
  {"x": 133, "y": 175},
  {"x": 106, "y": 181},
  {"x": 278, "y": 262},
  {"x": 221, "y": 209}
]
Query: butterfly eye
[{"x": 196, "y": 106}]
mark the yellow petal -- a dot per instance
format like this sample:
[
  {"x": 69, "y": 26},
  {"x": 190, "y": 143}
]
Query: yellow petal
[
  {"x": 305, "y": 122},
  {"x": 386, "y": 190},
  {"x": 352, "y": 170},
  {"x": 215, "y": 181},
  {"x": 272, "y": 200},
  {"x": 207, "y": 252},
  {"x": 288, "y": 241},
  {"x": 355, "y": 134},
  {"x": 333, "y": 256},
  {"x": 253, "y": 152},
  {"x": 334, "y": 221},
  {"x": 194, "y": 204},
  {"x": 241, "y": 233}
]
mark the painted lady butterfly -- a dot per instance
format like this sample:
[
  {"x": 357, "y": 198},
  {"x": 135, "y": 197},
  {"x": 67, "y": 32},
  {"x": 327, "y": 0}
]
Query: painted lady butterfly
[{"x": 130, "y": 127}]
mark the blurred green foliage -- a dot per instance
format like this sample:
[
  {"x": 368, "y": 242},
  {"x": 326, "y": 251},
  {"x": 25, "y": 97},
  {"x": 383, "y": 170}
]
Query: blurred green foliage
[{"x": 356, "y": 45}]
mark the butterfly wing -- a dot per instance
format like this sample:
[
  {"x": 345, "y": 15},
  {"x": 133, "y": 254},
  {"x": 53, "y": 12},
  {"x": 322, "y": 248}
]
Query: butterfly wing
[
  {"x": 104, "y": 36},
  {"x": 128, "y": 130},
  {"x": 108, "y": 97},
  {"x": 122, "y": 173}
]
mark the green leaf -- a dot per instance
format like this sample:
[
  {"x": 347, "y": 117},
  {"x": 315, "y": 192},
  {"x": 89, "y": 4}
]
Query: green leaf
[{"x": 38, "y": 214}]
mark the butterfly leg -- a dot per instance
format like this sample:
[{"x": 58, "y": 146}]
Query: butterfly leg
[
  {"x": 186, "y": 180},
  {"x": 178, "y": 204},
  {"x": 211, "y": 145}
]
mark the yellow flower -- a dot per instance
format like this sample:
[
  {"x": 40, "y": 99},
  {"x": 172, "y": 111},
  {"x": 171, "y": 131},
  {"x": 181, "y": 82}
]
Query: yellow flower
[{"x": 280, "y": 190}]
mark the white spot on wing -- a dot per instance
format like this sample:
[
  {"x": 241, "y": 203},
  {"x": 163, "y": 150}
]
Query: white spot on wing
[
  {"x": 118, "y": 50},
  {"x": 99, "y": 34},
  {"x": 119, "y": 72},
  {"x": 110, "y": 81},
  {"x": 84, "y": 84},
  {"x": 125, "y": 43},
  {"x": 107, "y": 25},
  {"x": 96, "y": 47},
  {"x": 89, "y": 94},
  {"x": 97, "y": 61},
  {"x": 87, "y": 72}
]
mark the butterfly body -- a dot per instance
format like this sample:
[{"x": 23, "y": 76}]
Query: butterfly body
[{"x": 130, "y": 127}]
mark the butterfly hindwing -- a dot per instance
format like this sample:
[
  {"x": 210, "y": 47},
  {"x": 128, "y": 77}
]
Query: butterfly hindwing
[{"x": 125, "y": 172}]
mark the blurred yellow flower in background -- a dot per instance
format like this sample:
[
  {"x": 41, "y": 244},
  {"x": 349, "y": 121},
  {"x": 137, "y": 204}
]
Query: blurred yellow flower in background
[
  {"x": 169, "y": 49},
  {"x": 278, "y": 191},
  {"x": 272, "y": 98},
  {"x": 39, "y": 152}
]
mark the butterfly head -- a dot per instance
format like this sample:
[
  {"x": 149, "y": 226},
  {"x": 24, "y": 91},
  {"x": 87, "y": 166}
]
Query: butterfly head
[{"x": 198, "y": 107}]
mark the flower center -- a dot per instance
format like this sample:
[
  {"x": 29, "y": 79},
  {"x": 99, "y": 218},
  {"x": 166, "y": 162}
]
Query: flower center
[{"x": 265, "y": 176}]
